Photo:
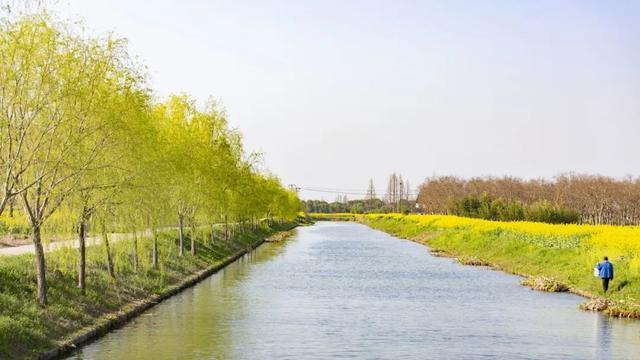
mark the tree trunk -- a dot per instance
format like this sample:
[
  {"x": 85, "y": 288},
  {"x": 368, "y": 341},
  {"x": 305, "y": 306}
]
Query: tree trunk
[
  {"x": 105, "y": 240},
  {"x": 135, "y": 251},
  {"x": 181, "y": 233},
  {"x": 154, "y": 250},
  {"x": 212, "y": 235},
  {"x": 226, "y": 228},
  {"x": 82, "y": 252},
  {"x": 193, "y": 240},
  {"x": 40, "y": 266}
]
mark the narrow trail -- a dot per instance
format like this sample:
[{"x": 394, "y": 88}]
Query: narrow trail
[
  {"x": 56, "y": 245},
  {"x": 73, "y": 243}
]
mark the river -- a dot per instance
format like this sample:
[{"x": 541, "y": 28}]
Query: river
[{"x": 342, "y": 290}]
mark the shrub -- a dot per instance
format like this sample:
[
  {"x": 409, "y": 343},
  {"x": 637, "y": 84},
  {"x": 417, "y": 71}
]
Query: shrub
[
  {"x": 543, "y": 211},
  {"x": 484, "y": 207}
]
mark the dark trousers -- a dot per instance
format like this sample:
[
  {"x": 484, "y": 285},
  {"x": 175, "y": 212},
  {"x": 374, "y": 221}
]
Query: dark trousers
[{"x": 605, "y": 284}]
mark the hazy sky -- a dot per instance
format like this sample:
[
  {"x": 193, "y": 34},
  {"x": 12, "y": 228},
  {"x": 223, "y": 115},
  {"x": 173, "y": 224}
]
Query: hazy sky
[{"x": 337, "y": 92}]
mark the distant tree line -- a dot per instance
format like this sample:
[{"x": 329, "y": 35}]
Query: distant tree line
[
  {"x": 350, "y": 206},
  {"x": 396, "y": 199},
  {"x": 569, "y": 198},
  {"x": 488, "y": 208}
]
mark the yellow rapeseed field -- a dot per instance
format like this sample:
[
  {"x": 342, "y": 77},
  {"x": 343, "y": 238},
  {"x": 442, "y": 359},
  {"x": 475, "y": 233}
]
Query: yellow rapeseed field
[{"x": 617, "y": 242}]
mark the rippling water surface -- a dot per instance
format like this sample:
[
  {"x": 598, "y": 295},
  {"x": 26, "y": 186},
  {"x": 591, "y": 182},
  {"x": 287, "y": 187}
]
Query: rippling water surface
[{"x": 342, "y": 290}]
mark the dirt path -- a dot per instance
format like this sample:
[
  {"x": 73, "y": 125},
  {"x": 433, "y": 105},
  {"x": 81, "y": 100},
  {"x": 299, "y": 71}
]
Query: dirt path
[
  {"x": 55, "y": 245},
  {"x": 91, "y": 241}
]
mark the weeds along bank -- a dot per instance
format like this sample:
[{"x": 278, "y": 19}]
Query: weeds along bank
[
  {"x": 566, "y": 253},
  {"x": 27, "y": 329}
]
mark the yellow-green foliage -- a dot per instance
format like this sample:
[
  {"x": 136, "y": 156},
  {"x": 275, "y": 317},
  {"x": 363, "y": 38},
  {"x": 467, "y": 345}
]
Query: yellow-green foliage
[
  {"x": 13, "y": 225},
  {"x": 334, "y": 216}
]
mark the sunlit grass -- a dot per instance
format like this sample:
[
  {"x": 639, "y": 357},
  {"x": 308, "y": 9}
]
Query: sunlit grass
[{"x": 26, "y": 329}]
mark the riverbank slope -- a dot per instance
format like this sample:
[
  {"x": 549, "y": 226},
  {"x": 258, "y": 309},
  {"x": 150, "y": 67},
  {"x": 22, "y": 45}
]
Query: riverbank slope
[
  {"x": 27, "y": 331},
  {"x": 566, "y": 254}
]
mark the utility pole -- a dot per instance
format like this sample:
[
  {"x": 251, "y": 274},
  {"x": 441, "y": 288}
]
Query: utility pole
[
  {"x": 294, "y": 188},
  {"x": 400, "y": 193}
]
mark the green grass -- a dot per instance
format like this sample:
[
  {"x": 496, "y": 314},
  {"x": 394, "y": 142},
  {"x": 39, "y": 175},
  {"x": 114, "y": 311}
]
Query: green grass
[
  {"x": 27, "y": 330},
  {"x": 16, "y": 225}
]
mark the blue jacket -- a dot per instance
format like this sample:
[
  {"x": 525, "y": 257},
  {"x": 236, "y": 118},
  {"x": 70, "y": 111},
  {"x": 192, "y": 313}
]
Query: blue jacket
[{"x": 606, "y": 270}]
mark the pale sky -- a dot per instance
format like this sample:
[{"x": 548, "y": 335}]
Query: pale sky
[{"x": 337, "y": 92}]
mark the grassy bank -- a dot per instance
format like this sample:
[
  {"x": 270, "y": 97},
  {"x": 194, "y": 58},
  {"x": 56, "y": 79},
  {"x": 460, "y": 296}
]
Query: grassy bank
[
  {"x": 565, "y": 254},
  {"x": 27, "y": 330}
]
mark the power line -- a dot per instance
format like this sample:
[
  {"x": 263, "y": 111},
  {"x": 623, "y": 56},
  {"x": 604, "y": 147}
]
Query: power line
[
  {"x": 323, "y": 188},
  {"x": 336, "y": 191}
]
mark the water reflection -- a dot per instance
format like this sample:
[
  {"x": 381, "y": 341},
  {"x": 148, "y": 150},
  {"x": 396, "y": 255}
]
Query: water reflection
[
  {"x": 342, "y": 290},
  {"x": 603, "y": 337}
]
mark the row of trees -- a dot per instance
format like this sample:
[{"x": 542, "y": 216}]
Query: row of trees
[
  {"x": 350, "y": 206},
  {"x": 81, "y": 135},
  {"x": 398, "y": 191},
  {"x": 397, "y": 198},
  {"x": 591, "y": 199},
  {"x": 510, "y": 210}
]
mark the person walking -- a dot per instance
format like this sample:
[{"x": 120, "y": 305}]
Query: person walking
[{"x": 605, "y": 272}]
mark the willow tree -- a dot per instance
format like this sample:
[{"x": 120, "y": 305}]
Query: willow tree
[
  {"x": 116, "y": 108},
  {"x": 101, "y": 185},
  {"x": 215, "y": 163},
  {"x": 146, "y": 198},
  {"x": 180, "y": 151},
  {"x": 23, "y": 59},
  {"x": 56, "y": 76}
]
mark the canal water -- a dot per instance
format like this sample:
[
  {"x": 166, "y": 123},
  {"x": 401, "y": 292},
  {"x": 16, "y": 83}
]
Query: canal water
[{"x": 345, "y": 291}]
